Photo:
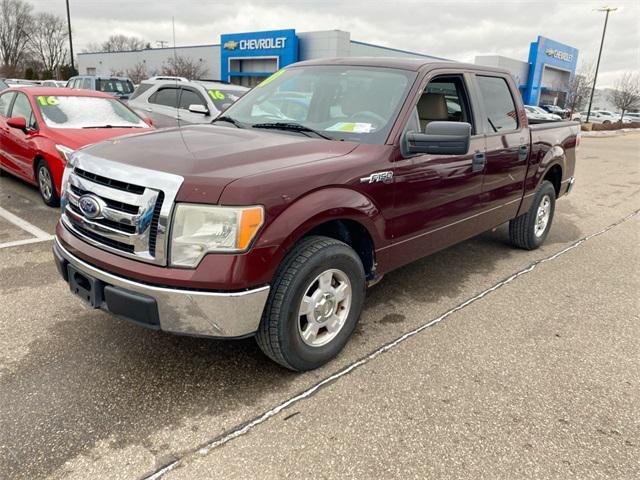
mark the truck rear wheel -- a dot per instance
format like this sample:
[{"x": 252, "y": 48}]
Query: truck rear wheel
[
  {"x": 314, "y": 305},
  {"x": 530, "y": 230}
]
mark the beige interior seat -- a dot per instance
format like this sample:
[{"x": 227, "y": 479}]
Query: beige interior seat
[{"x": 432, "y": 107}]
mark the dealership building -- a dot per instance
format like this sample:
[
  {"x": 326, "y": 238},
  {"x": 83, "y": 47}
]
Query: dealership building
[{"x": 247, "y": 58}]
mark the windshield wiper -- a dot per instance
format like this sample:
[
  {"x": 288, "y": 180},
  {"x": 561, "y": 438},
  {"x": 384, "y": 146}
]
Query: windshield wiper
[
  {"x": 293, "y": 127},
  {"x": 227, "y": 119},
  {"x": 112, "y": 126}
]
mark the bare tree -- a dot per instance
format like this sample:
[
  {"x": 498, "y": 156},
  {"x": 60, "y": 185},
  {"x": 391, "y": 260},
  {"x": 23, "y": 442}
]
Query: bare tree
[
  {"x": 138, "y": 72},
  {"x": 626, "y": 93},
  {"x": 92, "y": 47},
  {"x": 580, "y": 88},
  {"x": 122, "y": 43},
  {"x": 179, "y": 66},
  {"x": 48, "y": 42},
  {"x": 15, "y": 24}
]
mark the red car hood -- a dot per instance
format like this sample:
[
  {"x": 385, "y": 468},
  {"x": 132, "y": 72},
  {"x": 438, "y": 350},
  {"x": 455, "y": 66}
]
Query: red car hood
[
  {"x": 76, "y": 138},
  {"x": 210, "y": 157}
]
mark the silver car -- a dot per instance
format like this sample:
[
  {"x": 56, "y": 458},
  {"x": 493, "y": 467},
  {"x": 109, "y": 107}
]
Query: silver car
[{"x": 171, "y": 101}]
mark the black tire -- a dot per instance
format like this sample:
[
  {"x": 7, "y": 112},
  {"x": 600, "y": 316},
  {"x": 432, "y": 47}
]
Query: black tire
[
  {"x": 522, "y": 230},
  {"x": 278, "y": 335},
  {"x": 50, "y": 197}
]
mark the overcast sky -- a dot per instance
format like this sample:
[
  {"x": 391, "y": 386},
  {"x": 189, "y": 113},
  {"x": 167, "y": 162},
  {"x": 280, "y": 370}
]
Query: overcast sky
[{"x": 453, "y": 29}]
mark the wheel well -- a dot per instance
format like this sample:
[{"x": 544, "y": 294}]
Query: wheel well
[
  {"x": 554, "y": 175},
  {"x": 353, "y": 234},
  {"x": 36, "y": 161}
]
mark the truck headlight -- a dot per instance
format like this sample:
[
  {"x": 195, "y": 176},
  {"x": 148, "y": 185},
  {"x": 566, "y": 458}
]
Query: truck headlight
[{"x": 199, "y": 229}]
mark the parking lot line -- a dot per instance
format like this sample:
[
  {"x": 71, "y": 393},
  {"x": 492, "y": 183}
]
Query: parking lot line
[
  {"x": 265, "y": 416},
  {"x": 40, "y": 235}
]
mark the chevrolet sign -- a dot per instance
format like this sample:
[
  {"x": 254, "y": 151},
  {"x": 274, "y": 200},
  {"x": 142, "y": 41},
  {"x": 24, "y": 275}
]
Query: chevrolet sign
[
  {"x": 257, "y": 44},
  {"x": 560, "y": 55}
]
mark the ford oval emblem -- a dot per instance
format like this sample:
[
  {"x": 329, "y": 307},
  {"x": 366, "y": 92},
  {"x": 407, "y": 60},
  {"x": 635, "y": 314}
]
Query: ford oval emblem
[{"x": 89, "y": 206}]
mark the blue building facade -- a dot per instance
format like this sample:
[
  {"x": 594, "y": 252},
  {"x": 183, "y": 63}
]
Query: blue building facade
[
  {"x": 246, "y": 58},
  {"x": 552, "y": 66}
]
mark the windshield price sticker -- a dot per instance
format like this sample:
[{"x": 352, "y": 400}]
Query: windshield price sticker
[
  {"x": 351, "y": 127},
  {"x": 216, "y": 94},
  {"x": 47, "y": 101}
]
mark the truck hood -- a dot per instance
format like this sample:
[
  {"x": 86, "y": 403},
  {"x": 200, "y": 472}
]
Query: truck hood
[{"x": 209, "y": 157}]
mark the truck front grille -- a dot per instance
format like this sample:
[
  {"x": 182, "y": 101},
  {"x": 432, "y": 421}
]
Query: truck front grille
[{"x": 119, "y": 208}]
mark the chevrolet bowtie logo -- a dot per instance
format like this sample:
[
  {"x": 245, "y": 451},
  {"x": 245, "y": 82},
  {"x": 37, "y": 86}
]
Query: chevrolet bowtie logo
[{"x": 230, "y": 45}]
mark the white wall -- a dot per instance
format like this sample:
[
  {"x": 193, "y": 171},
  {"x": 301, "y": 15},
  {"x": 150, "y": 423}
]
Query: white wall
[
  {"x": 106, "y": 63},
  {"x": 519, "y": 70},
  {"x": 324, "y": 44}
]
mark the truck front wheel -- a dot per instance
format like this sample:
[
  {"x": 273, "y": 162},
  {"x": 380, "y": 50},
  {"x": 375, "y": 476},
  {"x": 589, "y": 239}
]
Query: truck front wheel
[
  {"x": 314, "y": 305},
  {"x": 530, "y": 230}
]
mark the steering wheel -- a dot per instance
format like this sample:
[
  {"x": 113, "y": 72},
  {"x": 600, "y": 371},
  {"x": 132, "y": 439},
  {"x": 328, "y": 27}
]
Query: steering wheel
[{"x": 368, "y": 117}]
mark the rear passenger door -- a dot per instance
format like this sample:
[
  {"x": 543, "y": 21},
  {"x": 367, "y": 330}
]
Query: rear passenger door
[
  {"x": 163, "y": 107},
  {"x": 507, "y": 143}
]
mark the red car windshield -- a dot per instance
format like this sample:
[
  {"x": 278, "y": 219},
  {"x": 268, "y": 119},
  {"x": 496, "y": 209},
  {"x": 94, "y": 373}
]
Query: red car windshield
[{"x": 86, "y": 112}]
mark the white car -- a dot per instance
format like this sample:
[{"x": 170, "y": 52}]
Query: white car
[
  {"x": 631, "y": 117},
  {"x": 53, "y": 83},
  {"x": 172, "y": 101},
  {"x": 600, "y": 116},
  {"x": 537, "y": 114}
]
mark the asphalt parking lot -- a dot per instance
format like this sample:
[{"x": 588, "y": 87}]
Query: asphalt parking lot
[{"x": 514, "y": 364}]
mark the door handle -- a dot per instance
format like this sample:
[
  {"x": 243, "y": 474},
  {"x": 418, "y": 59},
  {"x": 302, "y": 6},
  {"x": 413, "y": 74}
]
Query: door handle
[
  {"x": 478, "y": 162},
  {"x": 522, "y": 152}
]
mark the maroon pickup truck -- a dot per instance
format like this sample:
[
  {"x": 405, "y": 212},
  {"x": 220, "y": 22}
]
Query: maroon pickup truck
[{"x": 273, "y": 220}]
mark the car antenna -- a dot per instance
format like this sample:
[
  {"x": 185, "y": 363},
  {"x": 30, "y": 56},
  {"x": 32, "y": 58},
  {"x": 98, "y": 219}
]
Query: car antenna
[{"x": 175, "y": 65}]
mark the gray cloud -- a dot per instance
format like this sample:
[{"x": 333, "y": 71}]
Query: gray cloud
[{"x": 453, "y": 29}]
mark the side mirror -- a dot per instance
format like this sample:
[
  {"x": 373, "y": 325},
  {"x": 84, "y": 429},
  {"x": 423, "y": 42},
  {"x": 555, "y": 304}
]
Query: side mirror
[
  {"x": 440, "y": 138},
  {"x": 196, "y": 108},
  {"x": 17, "y": 122}
]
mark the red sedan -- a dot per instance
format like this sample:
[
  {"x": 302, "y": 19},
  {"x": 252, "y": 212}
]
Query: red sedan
[{"x": 41, "y": 127}]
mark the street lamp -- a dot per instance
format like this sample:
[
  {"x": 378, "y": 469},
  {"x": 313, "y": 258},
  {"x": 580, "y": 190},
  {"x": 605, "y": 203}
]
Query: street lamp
[{"x": 606, "y": 9}]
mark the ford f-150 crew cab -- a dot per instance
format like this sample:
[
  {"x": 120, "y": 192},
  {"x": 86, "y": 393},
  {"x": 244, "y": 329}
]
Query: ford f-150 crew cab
[{"x": 273, "y": 220}]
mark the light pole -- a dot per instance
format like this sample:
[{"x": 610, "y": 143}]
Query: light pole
[
  {"x": 606, "y": 9},
  {"x": 73, "y": 69}
]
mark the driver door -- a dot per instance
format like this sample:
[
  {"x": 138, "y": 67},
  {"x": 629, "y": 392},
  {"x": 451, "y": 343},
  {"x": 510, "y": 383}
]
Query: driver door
[
  {"x": 18, "y": 145},
  {"x": 437, "y": 197}
]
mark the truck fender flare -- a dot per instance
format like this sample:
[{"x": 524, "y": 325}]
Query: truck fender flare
[
  {"x": 316, "y": 208},
  {"x": 555, "y": 156}
]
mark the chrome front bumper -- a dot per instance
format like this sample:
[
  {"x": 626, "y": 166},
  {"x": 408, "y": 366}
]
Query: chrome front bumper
[{"x": 187, "y": 312}]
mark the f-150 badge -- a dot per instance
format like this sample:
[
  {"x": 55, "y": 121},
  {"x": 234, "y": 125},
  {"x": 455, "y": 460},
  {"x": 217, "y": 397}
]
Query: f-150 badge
[{"x": 385, "y": 177}]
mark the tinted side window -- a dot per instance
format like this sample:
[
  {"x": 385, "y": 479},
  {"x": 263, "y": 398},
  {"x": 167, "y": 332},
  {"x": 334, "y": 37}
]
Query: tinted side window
[
  {"x": 499, "y": 106},
  {"x": 189, "y": 97},
  {"x": 86, "y": 84},
  {"x": 5, "y": 101},
  {"x": 165, "y": 96},
  {"x": 22, "y": 108}
]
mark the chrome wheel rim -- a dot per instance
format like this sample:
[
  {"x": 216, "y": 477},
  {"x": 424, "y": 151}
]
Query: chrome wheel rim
[
  {"x": 543, "y": 215},
  {"x": 324, "y": 308},
  {"x": 44, "y": 180}
]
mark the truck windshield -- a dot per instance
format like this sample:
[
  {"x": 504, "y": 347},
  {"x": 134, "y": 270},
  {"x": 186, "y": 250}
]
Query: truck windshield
[
  {"x": 343, "y": 102},
  {"x": 86, "y": 112}
]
